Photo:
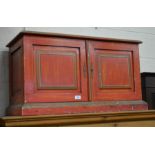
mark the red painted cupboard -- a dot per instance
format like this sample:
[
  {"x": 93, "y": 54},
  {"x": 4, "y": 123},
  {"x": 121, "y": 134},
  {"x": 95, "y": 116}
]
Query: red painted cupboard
[{"x": 63, "y": 74}]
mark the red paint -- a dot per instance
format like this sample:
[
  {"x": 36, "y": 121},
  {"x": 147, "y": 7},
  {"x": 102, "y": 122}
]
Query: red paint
[
  {"x": 52, "y": 70},
  {"x": 48, "y": 69},
  {"x": 80, "y": 109},
  {"x": 116, "y": 74}
]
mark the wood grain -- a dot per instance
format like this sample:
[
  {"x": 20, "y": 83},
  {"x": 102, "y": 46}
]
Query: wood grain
[{"x": 117, "y": 119}]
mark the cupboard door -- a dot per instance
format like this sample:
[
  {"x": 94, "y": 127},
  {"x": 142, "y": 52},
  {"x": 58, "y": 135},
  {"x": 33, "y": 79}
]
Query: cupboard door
[
  {"x": 56, "y": 70},
  {"x": 114, "y": 71}
]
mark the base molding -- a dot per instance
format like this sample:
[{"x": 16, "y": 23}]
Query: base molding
[{"x": 30, "y": 109}]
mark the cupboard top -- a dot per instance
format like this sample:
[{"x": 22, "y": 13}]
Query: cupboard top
[{"x": 31, "y": 33}]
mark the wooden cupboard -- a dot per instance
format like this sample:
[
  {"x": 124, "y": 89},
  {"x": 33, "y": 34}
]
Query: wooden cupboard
[{"x": 59, "y": 74}]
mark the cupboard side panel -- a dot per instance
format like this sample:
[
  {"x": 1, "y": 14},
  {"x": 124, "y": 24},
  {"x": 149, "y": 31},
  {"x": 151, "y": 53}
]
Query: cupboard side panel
[{"x": 16, "y": 73}]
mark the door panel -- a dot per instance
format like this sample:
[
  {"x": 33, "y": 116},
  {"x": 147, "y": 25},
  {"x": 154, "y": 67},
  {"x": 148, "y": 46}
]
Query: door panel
[
  {"x": 57, "y": 72},
  {"x": 113, "y": 71}
]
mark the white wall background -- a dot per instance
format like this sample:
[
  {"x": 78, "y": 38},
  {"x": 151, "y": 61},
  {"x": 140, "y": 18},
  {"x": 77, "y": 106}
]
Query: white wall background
[{"x": 147, "y": 49}]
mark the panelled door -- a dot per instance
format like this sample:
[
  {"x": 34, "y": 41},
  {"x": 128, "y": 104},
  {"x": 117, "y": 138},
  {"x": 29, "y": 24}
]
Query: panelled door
[
  {"x": 60, "y": 69},
  {"x": 113, "y": 71},
  {"x": 56, "y": 70}
]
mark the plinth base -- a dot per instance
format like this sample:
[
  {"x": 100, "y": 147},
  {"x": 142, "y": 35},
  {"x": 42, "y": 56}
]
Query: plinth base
[{"x": 30, "y": 109}]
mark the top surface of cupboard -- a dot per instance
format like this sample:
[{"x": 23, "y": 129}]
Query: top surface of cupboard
[{"x": 21, "y": 34}]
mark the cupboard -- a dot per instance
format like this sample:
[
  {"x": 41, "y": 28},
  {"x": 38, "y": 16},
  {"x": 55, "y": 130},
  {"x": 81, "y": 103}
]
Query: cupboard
[{"x": 63, "y": 74}]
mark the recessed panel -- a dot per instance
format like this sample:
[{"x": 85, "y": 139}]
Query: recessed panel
[
  {"x": 114, "y": 71},
  {"x": 17, "y": 71},
  {"x": 56, "y": 70}
]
